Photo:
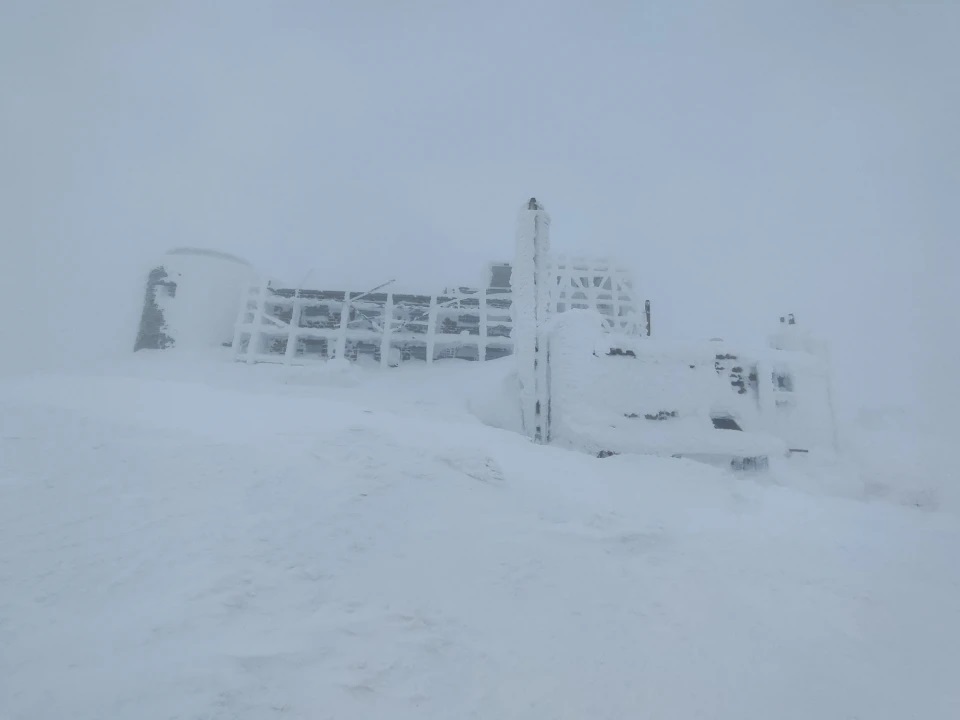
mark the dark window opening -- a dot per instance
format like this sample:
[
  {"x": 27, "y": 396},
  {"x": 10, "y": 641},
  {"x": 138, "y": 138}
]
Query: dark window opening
[
  {"x": 725, "y": 422},
  {"x": 750, "y": 463},
  {"x": 500, "y": 276},
  {"x": 783, "y": 382}
]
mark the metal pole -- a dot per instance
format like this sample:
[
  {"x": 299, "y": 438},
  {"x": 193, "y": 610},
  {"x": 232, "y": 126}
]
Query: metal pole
[
  {"x": 531, "y": 295},
  {"x": 372, "y": 290}
]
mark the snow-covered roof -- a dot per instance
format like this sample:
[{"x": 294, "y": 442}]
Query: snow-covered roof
[{"x": 204, "y": 252}]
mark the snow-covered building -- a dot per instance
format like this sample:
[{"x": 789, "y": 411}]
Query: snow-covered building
[
  {"x": 708, "y": 401},
  {"x": 589, "y": 374},
  {"x": 196, "y": 298},
  {"x": 190, "y": 300}
]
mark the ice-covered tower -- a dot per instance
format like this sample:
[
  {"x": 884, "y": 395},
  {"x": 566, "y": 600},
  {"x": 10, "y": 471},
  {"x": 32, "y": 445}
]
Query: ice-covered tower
[{"x": 532, "y": 281}]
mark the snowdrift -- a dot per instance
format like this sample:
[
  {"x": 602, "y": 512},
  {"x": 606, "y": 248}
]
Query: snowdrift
[{"x": 181, "y": 536}]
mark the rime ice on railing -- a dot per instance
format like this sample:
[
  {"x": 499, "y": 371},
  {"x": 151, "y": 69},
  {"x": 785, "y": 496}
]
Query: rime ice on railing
[
  {"x": 294, "y": 325},
  {"x": 287, "y": 325},
  {"x": 601, "y": 285}
]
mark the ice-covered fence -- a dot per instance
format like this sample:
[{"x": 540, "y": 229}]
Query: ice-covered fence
[
  {"x": 601, "y": 285},
  {"x": 294, "y": 326}
]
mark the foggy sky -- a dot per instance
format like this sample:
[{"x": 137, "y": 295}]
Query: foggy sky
[{"x": 744, "y": 159}]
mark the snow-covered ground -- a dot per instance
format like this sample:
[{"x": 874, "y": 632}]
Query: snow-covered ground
[{"x": 184, "y": 537}]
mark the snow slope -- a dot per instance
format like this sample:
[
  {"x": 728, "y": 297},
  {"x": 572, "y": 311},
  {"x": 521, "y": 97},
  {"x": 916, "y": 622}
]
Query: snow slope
[{"x": 182, "y": 537}]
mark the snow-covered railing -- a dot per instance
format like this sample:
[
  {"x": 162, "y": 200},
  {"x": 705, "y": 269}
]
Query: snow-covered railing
[
  {"x": 602, "y": 285},
  {"x": 292, "y": 326}
]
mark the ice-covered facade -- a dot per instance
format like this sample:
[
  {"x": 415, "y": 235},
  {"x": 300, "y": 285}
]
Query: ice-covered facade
[
  {"x": 588, "y": 373},
  {"x": 296, "y": 326},
  {"x": 291, "y": 325},
  {"x": 707, "y": 401},
  {"x": 197, "y": 298}
]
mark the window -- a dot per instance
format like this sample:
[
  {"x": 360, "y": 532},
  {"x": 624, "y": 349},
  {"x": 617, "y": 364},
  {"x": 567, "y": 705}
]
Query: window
[
  {"x": 500, "y": 276},
  {"x": 725, "y": 422},
  {"x": 783, "y": 382}
]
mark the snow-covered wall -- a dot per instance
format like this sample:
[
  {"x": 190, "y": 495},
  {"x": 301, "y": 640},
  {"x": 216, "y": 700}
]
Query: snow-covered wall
[
  {"x": 796, "y": 399},
  {"x": 192, "y": 298},
  {"x": 642, "y": 395}
]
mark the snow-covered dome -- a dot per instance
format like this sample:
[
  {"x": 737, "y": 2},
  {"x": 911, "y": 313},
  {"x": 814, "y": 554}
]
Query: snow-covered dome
[{"x": 204, "y": 252}]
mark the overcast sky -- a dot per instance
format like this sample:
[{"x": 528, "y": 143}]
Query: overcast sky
[{"x": 744, "y": 158}]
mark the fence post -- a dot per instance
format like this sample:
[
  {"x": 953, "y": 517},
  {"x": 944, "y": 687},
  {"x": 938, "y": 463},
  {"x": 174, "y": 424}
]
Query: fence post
[
  {"x": 341, "y": 349},
  {"x": 241, "y": 321},
  {"x": 615, "y": 301},
  {"x": 293, "y": 337},
  {"x": 432, "y": 328},
  {"x": 256, "y": 332},
  {"x": 387, "y": 318},
  {"x": 482, "y": 342}
]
